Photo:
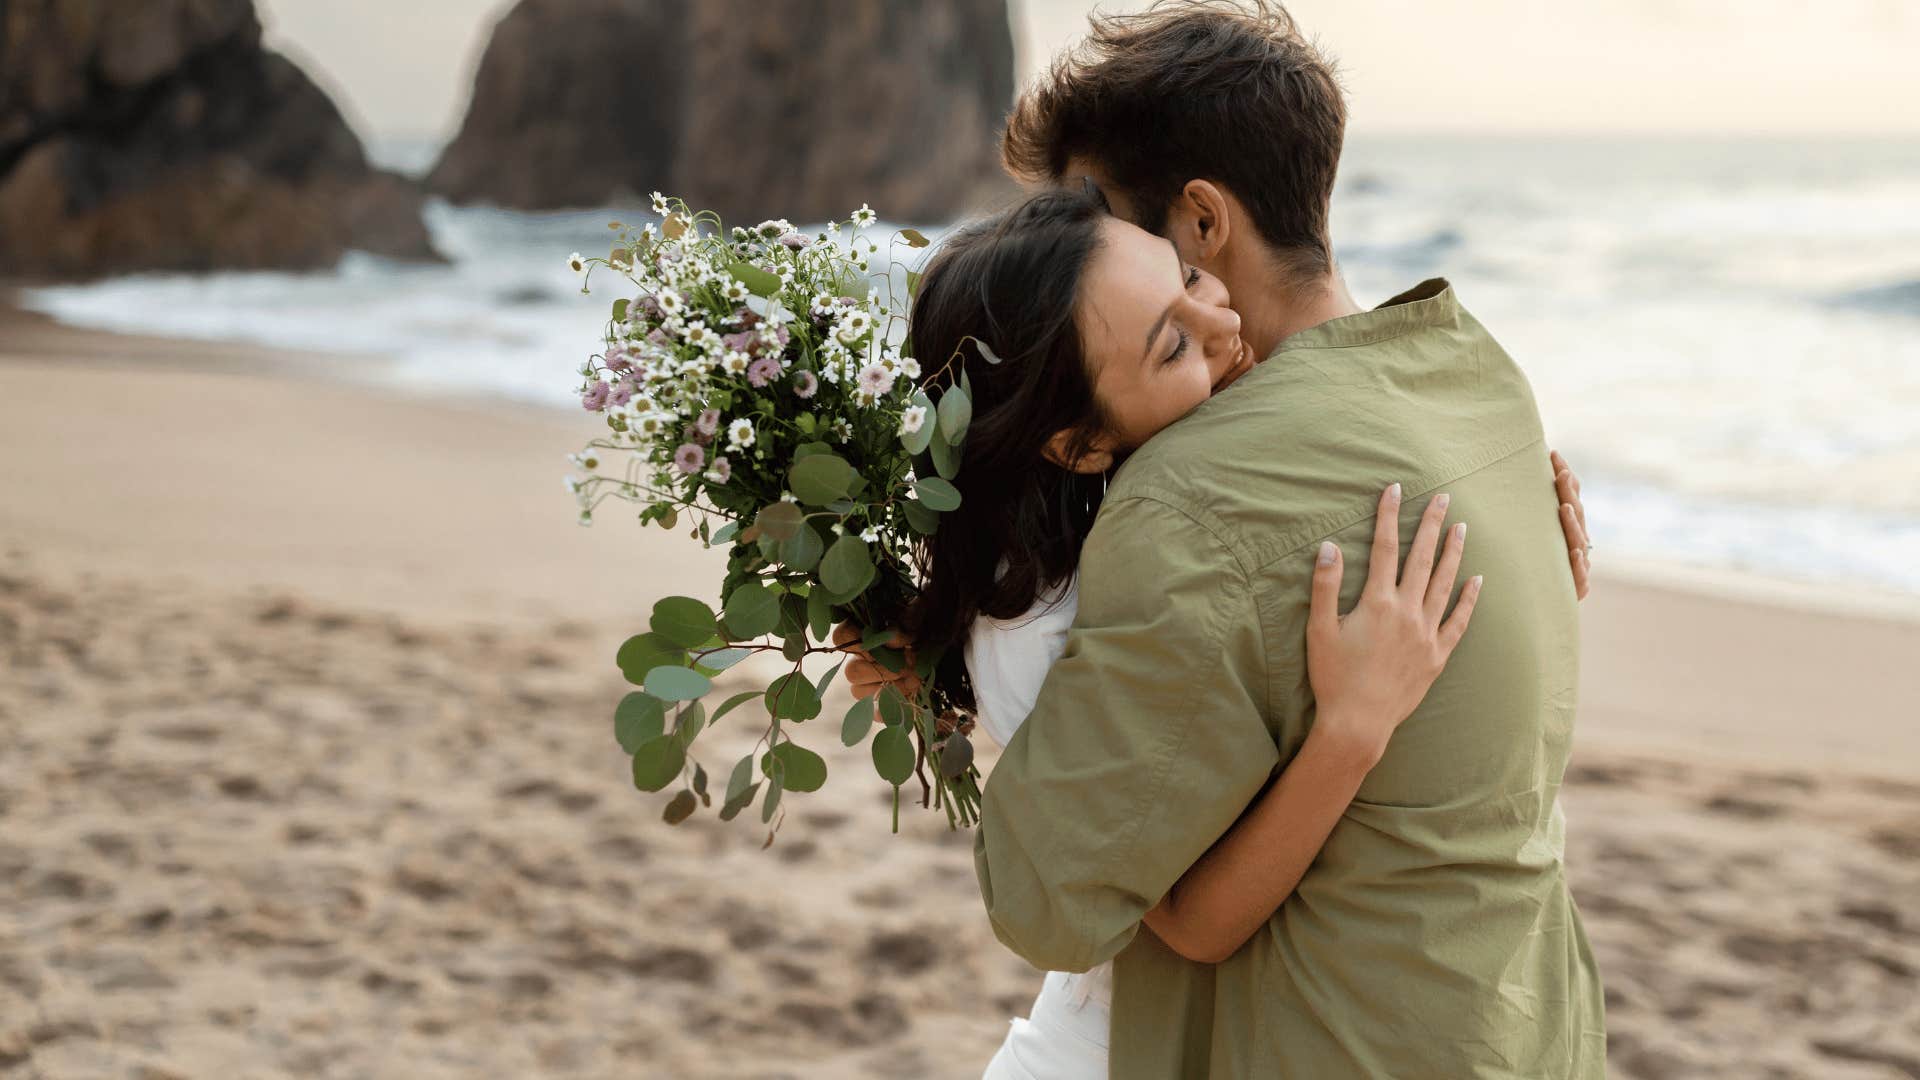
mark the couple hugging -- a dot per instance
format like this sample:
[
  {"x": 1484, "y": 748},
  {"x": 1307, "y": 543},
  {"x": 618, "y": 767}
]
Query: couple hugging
[{"x": 1249, "y": 835}]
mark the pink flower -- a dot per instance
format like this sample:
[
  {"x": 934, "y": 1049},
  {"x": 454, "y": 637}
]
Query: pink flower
[
  {"x": 763, "y": 371},
  {"x": 659, "y": 337},
  {"x": 795, "y": 241},
  {"x": 708, "y": 422},
  {"x": 722, "y": 470},
  {"x": 618, "y": 360},
  {"x": 740, "y": 342},
  {"x": 689, "y": 458},
  {"x": 622, "y": 392},
  {"x": 875, "y": 379},
  {"x": 805, "y": 384},
  {"x": 595, "y": 399}
]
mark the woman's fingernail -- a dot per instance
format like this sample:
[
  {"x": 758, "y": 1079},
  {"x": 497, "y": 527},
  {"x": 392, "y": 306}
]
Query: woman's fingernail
[
  {"x": 1460, "y": 533},
  {"x": 1393, "y": 492},
  {"x": 1474, "y": 581},
  {"x": 1327, "y": 552},
  {"x": 1441, "y": 501}
]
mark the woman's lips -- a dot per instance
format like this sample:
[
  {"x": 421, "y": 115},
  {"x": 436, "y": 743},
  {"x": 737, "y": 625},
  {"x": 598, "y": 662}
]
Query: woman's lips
[{"x": 1242, "y": 363}]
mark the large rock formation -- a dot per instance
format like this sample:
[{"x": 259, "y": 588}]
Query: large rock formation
[
  {"x": 804, "y": 108},
  {"x": 159, "y": 135}
]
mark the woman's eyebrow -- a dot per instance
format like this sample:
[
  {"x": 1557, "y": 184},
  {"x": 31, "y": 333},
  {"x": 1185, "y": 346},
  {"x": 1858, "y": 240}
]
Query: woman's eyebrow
[{"x": 1153, "y": 333}]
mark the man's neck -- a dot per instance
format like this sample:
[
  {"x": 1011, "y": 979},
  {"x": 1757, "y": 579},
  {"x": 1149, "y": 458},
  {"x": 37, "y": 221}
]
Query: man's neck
[{"x": 1271, "y": 311}]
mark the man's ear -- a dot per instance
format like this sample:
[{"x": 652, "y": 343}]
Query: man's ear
[
  {"x": 1096, "y": 458},
  {"x": 1200, "y": 222}
]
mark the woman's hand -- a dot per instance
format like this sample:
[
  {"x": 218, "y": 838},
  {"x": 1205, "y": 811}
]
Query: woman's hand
[
  {"x": 865, "y": 674},
  {"x": 1371, "y": 666},
  {"x": 1573, "y": 522}
]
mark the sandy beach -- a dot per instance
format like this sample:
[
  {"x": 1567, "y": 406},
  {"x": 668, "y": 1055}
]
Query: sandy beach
[{"x": 306, "y": 689}]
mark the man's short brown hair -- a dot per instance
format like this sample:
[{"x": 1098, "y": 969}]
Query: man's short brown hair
[{"x": 1196, "y": 90}]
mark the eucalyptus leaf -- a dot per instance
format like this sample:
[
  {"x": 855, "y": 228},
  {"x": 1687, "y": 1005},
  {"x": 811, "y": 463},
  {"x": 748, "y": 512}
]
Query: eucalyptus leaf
[
  {"x": 893, "y": 707},
  {"x": 620, "y": 307},
  {"x": 681, "y": 808},
  {"x": 956, "y": 412},
  {"x": 758, "y": 282},
  {"x": 677, "y": 683},
  {"x": 946, "y": 459},
  {"x": 715, "y": 661},
  {"x": 752, "y": 611},
  {"x": 807, "y": 450},
  {"x": 791, "y": 697},
  {"x": 858, "y": 722},
  {"x": 802, "y": 553},
  {"x": 657, "y": 762},
  {"x": 825, "y": 682},
  {"x": 847, "y": 568},
  {"x": 800, "y": 769},
  {"x": 684, "y": 621},
  {"x": 820, "y": 479},
  {"x": 692, "y": 719},
  {"x": 956, "y": 756},
  {"x": 919, "y": 518},
  {"x": 700, "y": 782},
  {"x": 742, "y": 778},
  {"x": 735, "y": 804},
  {"x": 893, "y": 755},
  {"x": 637, "y": 718},
  {"x": 877, "y": 636},
  {"x": 937, "y": 494},
  {"x": 914, "y": 238},
  {"x": 819, "y": 615},
  {"x": 771, "y": 802},
  {"x": 733, "y": 703},
  {"x": 642, "y": 653},
  {"x": 725, "y": 533},
  {"x": 779, "y": 520}
]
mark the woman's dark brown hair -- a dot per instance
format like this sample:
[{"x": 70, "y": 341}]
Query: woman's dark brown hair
[
  {"x": 1195, "y": 90},
  {"x": 1013, "y": 282}
]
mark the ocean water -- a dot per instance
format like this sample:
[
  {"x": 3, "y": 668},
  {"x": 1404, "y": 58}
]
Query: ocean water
[{"x": 1724, "y": 335}]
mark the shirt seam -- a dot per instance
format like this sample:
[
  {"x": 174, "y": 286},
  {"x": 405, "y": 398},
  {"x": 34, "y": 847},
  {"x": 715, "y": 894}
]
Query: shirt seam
[{"x": 1176, "y": 738}]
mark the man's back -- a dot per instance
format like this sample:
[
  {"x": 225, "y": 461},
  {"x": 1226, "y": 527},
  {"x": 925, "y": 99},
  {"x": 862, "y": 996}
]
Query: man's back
[{"x": 1434, "y": 935}]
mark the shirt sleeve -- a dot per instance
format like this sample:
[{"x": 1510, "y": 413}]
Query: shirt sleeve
[{"x": 1148, "y": 740}]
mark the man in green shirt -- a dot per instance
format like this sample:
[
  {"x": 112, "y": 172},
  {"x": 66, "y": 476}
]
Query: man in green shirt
[{"x": 1435, "y": 935}]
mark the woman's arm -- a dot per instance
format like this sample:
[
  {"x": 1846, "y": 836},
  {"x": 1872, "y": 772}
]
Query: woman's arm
[{"x": 1369, "y": 669}]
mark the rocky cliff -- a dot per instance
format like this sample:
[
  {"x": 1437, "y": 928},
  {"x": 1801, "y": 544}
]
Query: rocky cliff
[
  {"x": 160, "y": 135},
  {"x": 804, "y": 108}
]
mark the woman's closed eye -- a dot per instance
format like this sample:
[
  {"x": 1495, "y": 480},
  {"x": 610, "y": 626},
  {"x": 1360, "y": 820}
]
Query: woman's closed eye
[
  {"x": 1180, "y": 347},
  {"x": 1193, "y": 276}
]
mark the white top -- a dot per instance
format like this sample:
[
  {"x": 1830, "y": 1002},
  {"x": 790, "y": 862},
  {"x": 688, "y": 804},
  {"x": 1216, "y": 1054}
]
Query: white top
[{"x": 1008, "y": 660}]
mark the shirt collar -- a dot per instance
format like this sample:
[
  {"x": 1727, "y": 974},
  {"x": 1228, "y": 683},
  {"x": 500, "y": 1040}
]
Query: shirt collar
[{"x": 1430, "y": 303}]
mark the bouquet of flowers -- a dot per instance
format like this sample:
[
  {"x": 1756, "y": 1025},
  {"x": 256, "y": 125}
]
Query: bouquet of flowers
[{"x": 751, "y": 386}]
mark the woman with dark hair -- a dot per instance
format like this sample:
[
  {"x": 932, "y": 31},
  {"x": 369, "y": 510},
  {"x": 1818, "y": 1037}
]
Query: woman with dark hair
[{"x": 1081, "y": 337}]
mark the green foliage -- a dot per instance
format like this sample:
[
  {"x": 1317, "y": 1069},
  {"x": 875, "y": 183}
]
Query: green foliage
[
  {"x": 859, "y": 721},
  {"x": 779, "y": 520},
  {"x": 820, "y": 479},
  {"x": 677, "y": 683},
  {"x": 847, "y": 568},
  {"x": 684, "y": 621},
  {"x": 751, "y": 611},
  {"x": 791, "y": 697},
  {"x": 798, "y": 768},
  {"x": 956, "y": 412},
  {"x": 893, "y": 755},
  {"x": 681, "y": 808},
  {"x": 642, "y": 653},
  {"x": 758, "y": 282},
  {"x": 801, "y": 552},
  {"x": 657, "y": 762},
  {"x": 638, "y": 718},
  {"x": 937, "y": 494}
]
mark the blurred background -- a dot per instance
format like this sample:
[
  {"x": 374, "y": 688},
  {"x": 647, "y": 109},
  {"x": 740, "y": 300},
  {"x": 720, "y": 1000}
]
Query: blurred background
[{"x": 306, "y": 666}]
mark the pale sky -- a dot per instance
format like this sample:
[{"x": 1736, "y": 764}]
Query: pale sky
[{"x": 1725, "y": 66}]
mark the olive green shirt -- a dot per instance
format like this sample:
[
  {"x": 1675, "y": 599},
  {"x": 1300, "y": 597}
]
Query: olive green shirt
[{"x": 1434, "y": 935}]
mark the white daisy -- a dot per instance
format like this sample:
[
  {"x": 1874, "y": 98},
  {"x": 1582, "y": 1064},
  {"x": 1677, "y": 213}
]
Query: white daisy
[
  {"x": 736, "y": 362},
  {"x": 735, "y": 291},
  {"x": 913, "y": 419},
  {"x": 910, "y": 367},
  {"x": 740, "y": 434},
  {"x": 864, "y": 216},
  {"x": 577, "y": 263},
  {"x": 659, "y": 205},
  {"x": 670, "y": 302},
  {"x": 870, "y": 534}
]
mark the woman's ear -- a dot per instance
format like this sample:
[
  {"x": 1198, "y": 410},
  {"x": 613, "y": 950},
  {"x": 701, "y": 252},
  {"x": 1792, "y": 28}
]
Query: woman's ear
[
  {"x": 1097, "y": 457},
  {"x": 1201, "y": 221}
]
